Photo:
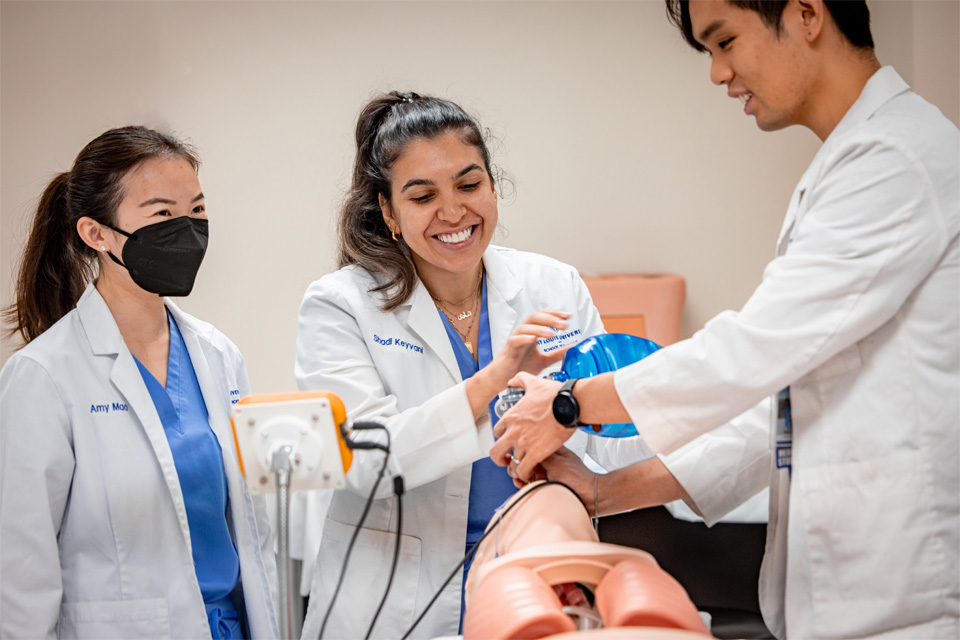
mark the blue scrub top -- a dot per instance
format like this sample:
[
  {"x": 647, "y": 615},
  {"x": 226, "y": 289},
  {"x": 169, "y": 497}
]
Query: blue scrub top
[
  {"x": 490, "y": 485},
  {"x": 203, "y": 481}
]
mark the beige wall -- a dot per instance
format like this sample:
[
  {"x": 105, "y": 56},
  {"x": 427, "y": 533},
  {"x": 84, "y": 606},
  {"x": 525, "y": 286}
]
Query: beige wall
[{"x": 625, "y": 157}]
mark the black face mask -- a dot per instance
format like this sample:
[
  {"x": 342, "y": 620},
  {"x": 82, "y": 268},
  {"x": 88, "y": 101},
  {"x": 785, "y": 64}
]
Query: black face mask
[{"x": 164, "y": 258}]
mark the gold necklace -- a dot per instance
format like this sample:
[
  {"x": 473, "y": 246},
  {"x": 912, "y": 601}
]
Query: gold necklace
[
  {"x": 463, "y": 336},
  {"x": 466, "y": 314}
]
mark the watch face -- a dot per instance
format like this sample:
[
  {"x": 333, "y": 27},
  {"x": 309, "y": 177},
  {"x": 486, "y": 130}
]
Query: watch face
[{"x": 565, "y": 410}]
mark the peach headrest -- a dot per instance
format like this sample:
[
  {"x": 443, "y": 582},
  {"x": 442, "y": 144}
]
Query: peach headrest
[
  {"x": 640, "y": 594},
  {"x": 514, "y": 602}
]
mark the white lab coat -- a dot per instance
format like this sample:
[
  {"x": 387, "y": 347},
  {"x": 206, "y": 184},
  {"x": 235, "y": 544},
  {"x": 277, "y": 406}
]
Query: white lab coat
[
  {"x": 859, "y": 314},
  {"x": 400, "y": 368},
  {"x": 92, "y": 518}
]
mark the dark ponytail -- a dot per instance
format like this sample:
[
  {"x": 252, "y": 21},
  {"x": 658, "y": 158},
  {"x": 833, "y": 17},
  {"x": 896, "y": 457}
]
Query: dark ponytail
[
  {"x": 387, "y": 124},
  {"x": 56, "y": 264}
]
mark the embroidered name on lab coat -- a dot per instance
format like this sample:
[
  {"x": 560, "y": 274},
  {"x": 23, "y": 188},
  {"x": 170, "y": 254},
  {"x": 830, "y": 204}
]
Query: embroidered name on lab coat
[
  {"x": 397, "y": 342},
  {"x": 107, "y": 408},
  {"x": 234, "y": 396},
  {"x": 558, "y": 341}
]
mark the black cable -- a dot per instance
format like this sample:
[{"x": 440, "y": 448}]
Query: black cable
[
  {"x": 474, "y": 548},
  {"x": 398, "y": 490},
  {"x": 366, "y": 508}
]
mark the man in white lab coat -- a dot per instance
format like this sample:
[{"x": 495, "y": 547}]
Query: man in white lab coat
[{"x": 853, "y": 333}]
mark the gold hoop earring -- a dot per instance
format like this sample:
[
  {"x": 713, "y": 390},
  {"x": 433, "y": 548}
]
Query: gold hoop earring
[{"x": 394, "y": 235}]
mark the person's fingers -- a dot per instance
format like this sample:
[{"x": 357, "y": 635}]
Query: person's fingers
[
  {"x": 500, "y": 451},
  {"x": 534, "y": 330},
  {"x": 520, "y": 380},
  {"x": 549, "y": 317},
  {"x": 520, "y": 340},
  {"x": 512, "y": 466},
  {"x": 526, "y": 465},
  {"x": 552, "y": 357},
  {"x": 539, "y": 473}
]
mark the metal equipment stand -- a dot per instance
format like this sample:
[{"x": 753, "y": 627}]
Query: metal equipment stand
[{"x": 280, "y": 464}]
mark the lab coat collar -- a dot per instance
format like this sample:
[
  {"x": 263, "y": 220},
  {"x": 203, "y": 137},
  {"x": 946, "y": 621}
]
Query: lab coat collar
[
  {"x": 98, "y": 323},
  {"x": 104, "y": 335},
  {"x": 883, "y": 86},
  {"x": 424, "y": 320},
  {"x": 503, "y": 288},
  {"x": 500, "y": 273}
]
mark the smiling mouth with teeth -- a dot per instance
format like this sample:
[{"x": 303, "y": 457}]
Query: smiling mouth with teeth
[
  {"x": 744, "y": 98},
  {"x": 455, "y": 238}
]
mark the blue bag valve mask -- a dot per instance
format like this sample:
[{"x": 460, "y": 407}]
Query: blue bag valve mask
[{"x": 591, "y": 357}]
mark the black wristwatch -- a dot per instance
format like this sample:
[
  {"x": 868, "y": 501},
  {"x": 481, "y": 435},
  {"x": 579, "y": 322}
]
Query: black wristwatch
[{"x": 566, "y": 411}]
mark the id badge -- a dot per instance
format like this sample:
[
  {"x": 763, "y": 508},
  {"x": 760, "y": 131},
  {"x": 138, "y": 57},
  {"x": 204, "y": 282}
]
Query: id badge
[{"x": 783, "y": 435}]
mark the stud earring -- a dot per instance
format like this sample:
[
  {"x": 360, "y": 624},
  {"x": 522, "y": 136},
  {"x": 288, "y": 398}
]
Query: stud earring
[{"x": 104, "y": 249}]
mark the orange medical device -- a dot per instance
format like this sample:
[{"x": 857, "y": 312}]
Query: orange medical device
[{"x": 309, "y": 422}]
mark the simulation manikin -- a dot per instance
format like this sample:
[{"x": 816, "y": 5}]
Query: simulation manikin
[{"x": 526, "y": 568}]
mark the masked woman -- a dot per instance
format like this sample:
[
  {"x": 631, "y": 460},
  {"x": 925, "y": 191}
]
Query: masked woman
[
  {"x": 420, "y": 329},
  {"x": 123, "y": 513}
]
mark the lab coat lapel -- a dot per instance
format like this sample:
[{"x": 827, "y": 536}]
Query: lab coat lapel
[
  {"x": 882, "y": 87},
  {"x": 503, "y": 289},
  {"x": 790, "y": 221},
  {"x": 211, "y": 366},
  {"x": 208, "y": 362},
  {"x": 126, "y": 376},
  {"x": 105, "y": 340},
  {"x": 424, "y": 320}
]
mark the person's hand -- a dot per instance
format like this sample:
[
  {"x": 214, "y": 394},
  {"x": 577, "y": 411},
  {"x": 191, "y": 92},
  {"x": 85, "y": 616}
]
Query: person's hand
[
  {"x": 539, "y": 473},
  {"x": 527, "y": 432},
  {"x": 521, "y": 353},
  {"x": 564, "y": 466}
]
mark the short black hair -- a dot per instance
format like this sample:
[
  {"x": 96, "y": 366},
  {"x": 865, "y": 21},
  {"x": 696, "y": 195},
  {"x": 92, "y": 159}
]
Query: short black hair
[{"x": 852, "y": 18}]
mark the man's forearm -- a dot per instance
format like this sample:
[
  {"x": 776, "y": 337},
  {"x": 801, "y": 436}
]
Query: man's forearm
[
  {"x": 598, "y": 401},
  {"x": 644, "y": 484}
]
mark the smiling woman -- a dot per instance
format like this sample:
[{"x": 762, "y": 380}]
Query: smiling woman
[
  {"x": 116, "y": 454},
  {"x": 446, "y": 213},
  {"x": 421, "y": 327}
]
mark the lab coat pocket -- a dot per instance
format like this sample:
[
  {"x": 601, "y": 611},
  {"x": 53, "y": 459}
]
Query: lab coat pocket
[
  {"x": 365, "y": 581},
  {"x": 142, "y": 619},
  {"x": 864, "y": 521}
]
